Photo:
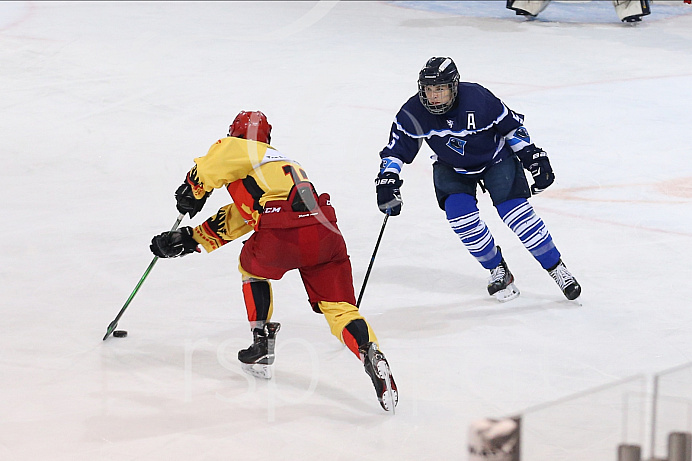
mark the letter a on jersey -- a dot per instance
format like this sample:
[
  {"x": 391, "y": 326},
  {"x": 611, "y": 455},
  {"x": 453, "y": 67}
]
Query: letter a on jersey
[{"x": 470, "y": 121}]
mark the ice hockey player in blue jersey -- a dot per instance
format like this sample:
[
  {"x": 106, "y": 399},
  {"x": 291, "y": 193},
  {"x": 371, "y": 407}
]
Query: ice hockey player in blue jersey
[{"x": 476, "y": 140}]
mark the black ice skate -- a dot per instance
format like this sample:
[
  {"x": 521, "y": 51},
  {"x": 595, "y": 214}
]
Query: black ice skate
[
  {"x": 258, "y": 358},
  {"x": 501, "y": 282},
  {"x": 565, "y": 280},
  {"x": 377, "y": 367}
]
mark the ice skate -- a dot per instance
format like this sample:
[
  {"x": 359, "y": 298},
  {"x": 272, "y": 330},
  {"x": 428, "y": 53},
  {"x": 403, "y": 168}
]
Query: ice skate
[
  {"x": 377, "y": 367},
  {"x": 257, "y": 359},
  {"x": 501, "y": 283},
  {"x": 565, "y": 280}
]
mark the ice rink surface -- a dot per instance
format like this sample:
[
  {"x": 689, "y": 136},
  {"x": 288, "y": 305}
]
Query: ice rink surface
[{"x": 105, "y": 105}]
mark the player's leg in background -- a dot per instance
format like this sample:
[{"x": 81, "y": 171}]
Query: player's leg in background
[
  {"x": 631, "y": 11},
  {"x": 527, "y": 7}
]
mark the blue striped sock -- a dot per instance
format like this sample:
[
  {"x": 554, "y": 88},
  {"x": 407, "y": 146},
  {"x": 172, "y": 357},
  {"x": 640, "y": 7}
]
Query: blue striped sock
[
  {"x": 463, "y": 216},
  {"x": 519, "y": 216}
]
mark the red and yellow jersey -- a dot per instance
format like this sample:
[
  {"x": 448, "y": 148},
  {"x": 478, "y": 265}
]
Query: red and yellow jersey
[{"x": 254, "y": 173}]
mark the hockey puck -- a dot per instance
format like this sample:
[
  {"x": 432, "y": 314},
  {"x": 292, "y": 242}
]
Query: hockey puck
[{"x": 120, "y": 333}]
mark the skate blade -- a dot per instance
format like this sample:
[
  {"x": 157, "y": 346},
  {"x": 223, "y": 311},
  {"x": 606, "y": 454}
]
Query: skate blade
[
  {"x": 390, "y": 398},
  {"x": 258, "y": 370},
  {"x": 507, "y": 294}
]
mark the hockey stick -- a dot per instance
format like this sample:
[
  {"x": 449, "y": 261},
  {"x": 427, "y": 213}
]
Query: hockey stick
[
  {"x": 372, "y": 260},
  {"x": 114, "y": 323}
]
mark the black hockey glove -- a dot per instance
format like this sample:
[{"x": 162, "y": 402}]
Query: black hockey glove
[
  {"x": 536, "y": 161},
  {"x": 388, "y": 194},
  {"x": 173, "y": 244},
  {"x": 186, "y": 201}
]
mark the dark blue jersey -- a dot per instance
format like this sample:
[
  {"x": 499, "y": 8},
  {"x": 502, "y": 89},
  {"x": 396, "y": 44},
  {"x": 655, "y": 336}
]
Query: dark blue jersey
[{"x": 469, "y": 137}]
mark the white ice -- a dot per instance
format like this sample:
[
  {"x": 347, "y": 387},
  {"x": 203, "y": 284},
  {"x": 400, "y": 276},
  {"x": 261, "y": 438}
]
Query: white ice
[{"x": 104, "y": 105}]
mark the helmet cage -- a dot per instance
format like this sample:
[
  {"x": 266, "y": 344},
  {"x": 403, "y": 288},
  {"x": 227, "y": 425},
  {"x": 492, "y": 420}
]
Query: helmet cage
[
  {"x": 441, "y": 108},
  {"x": 440, "y": 72}
]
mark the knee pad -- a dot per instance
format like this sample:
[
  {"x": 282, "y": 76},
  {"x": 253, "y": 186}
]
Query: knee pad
[{"x": 457, "y": 205}]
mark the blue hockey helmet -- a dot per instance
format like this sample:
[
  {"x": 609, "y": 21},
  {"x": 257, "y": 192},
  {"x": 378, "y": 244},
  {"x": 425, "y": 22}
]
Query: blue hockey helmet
[{"x": 438, "y": 72}]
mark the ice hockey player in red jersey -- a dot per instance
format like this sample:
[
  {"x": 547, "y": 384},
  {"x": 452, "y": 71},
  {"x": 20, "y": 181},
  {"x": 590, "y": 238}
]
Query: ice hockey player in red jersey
[{"x": 293, "y": 228}]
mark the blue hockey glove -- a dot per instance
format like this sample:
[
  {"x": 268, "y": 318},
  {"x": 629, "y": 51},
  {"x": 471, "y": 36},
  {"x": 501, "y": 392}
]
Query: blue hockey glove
[
  {"x": 536, "y": 161},
  {"x": 173, "y": 244},
  {"x": 388, "y": 194}
]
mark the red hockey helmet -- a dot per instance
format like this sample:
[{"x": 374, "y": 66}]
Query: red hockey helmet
[{"x": 251, "y": 125}]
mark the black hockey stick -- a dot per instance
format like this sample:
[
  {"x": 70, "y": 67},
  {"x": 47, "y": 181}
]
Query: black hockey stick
[
  {"x": 114, "y": 323},
  {"x": 372, "y": 260}
]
